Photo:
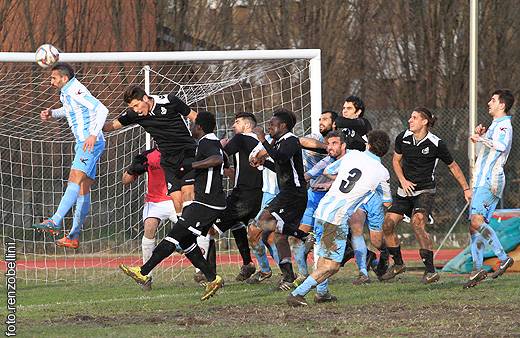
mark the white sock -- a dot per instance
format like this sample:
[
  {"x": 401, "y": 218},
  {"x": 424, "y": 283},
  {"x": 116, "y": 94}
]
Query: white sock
[
  {"x": 203, "y": 243},
  {"x": 147, "y": 246}
]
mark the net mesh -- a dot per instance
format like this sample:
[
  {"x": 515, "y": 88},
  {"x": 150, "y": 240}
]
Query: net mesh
[{"x": 35, "y": 157}]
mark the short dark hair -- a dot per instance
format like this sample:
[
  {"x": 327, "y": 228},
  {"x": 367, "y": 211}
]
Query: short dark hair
[
  {"x": 245, "y": 115},
  {"x": 379, "y": 142},
  {"x": 336, "y": 133},
  {"x": 358, "y": 104},
  {"x": 134, "y": 92},
  {"x": 333, "y": 114},
  {"x": 286, "y": 116},
  {"x": 506, "y": 97},
  {"x": 206, "y": 120},
  {"x": 64, "y": 69},
  {"x": 427, "y": 114}
]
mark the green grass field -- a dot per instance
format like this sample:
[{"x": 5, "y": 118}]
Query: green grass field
[{"x": 117, "y": 307}]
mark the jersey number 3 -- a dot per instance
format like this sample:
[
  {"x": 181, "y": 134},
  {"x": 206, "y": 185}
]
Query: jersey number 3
[{"x": 347, "y": 185}]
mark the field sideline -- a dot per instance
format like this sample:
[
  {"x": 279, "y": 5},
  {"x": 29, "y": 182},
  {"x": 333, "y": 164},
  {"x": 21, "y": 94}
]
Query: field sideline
[{"x": 117, "y": 307}]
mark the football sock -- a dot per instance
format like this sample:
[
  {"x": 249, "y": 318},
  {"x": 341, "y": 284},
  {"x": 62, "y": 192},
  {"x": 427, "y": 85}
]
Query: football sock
[
  {"x": 212, "y": 256},
  {"x": 147, "y": 246},
  {"x": 323, "y": 287},
  {"x": 80, "y": 214},
  {"x": 67, "y": 201},
  {"x": 242, "y": 244},
  {"x": 161, "y": 251},
  {"x": 383, "y": 259},
  {"x": 196, "y": 258},
  {"x": 261, "y": 257},
  {"x": 477, "y": 250},
  {"x": 490, "y": 236},
  {"x": 300, "y": 256},
  {"x": 395, "y": 252},
  {"x": 427, "y": 258},
  {"x": 305, "y": 287},
  {"x": 287, "y": 271},
  {"x": 360, "y": 252}
]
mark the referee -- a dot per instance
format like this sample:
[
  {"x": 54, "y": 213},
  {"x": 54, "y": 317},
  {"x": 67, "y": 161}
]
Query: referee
[{"x": 417, "y": 152}]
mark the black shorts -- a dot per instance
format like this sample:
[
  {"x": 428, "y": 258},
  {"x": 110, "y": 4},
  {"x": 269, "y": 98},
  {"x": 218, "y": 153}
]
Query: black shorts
[
  {"x": 198, "y": 218},
  {"x": 412, "y": 204},
  {"x": 171, "y": 164},
  {"x": 242, "y": 206},
  {"x": 288, "y": 208}
]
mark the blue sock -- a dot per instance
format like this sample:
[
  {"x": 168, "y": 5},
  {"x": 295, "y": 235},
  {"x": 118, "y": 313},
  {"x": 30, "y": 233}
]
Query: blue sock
[
  {"x": 477, "y": 250},
  {"x": 305, "y": 287},
  {"x": 67, "y": 201},
  {"x": 360, "y": 252},
  {"x": 261, "y": 257},
  {"x": 274, "y": 253},
  {"x": 323, "y": 287},
  {"x": 81, "y": 212},
  {"x": 490, "y": 236},
  {"x": 301, "y": 258}
]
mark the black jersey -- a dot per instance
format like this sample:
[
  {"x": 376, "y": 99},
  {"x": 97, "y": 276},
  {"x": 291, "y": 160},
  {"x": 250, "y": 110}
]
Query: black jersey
[
  {"x": 246, "y": 176},
  {"x": 355, "y": 131},
  {"x": 165, "y": 123},
  {"x": 286, "y": 153},
  {"x": 419, "y": 159},
  {"x": 208, "y": 181}
]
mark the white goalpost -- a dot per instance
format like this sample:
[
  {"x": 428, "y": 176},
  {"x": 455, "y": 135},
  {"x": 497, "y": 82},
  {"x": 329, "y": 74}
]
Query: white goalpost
[{"x": 35, "y": 157}]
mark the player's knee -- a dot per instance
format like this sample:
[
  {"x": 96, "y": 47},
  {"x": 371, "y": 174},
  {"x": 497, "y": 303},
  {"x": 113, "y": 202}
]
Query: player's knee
[
  {"x": 388, "y": 226},
  {"x": 253, "y": 235},
  {"x": 475, "y": 222}
]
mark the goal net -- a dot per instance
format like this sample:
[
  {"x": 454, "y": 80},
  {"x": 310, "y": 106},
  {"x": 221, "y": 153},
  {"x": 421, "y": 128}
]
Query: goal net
[{"x": 35, "y": 157}]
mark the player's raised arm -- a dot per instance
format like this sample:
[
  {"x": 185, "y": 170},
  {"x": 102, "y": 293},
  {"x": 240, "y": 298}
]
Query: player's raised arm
[{"x": 112, "y": 125}]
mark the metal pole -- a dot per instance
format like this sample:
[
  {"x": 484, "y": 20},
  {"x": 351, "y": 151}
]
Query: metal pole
[
  {"x": 315, "y": 79},
  {"x": 146, "y": 70},
  {"x": 473, "y": 72}
]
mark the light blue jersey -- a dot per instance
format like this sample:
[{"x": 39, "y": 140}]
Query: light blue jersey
[
  {"x": 493, "y": 151},
  {"x": 311, "y": 158},
  {"x": 358, "y": 176},
  {"x": 85, "y": 114}
]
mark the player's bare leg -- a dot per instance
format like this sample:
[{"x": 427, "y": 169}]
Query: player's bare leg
[
  {"x": 419, "y": 227},
  {"x": 392, "y": 242}
]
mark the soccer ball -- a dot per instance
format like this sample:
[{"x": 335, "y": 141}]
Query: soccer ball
[{"x": 47, "y": 55}]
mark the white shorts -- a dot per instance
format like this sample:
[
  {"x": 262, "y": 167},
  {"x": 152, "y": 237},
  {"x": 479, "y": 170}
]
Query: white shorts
[{"x": 160, "y": 210}]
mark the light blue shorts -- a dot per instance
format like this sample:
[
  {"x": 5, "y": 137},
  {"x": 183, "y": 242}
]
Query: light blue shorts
[
  {"x": 483, "y": 203},
  {"x": 266, "y": 198},
  {"x": 313, "y": 199},
  {"x": 375, "y": 212},
  {"x": 333, "y": 241},
  {"x": 87, "y": 161}
]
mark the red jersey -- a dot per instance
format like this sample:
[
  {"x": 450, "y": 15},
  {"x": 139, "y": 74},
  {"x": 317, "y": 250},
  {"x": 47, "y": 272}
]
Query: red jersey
[{"x": 157, "y": 191}]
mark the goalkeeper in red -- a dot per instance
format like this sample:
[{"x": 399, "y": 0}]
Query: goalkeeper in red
[{"x": 86, "y": 116}]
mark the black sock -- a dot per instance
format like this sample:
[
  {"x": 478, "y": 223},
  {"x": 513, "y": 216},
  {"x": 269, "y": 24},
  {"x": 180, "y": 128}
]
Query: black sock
[
  {"x": 289, "y": 231},
  {"x": 383, "y": 259},
  {"x": 161, "y": 251},
  {"x": 212, "y": 256},
  {"x": 347, "y": 255},
  {"x": 287, "y": 272},
  {"x": 395, "y": 251},
  {"x": 197, "y": 259},
  {"x": 242, "y": 244},
  {"x": 427, "y": 258},
  {"x": 371, "y": 255}
]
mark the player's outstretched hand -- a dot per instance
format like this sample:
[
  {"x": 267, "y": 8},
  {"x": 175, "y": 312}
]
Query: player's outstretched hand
[
  {"x": 45, "y": 115},
  {"x": 88, "y": 145},
  {"x": 474, "y": 138}
]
